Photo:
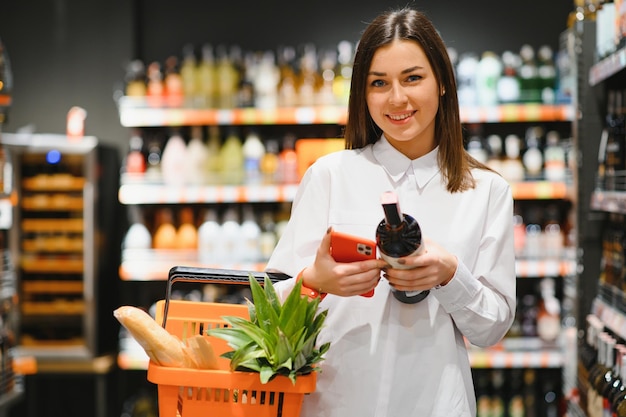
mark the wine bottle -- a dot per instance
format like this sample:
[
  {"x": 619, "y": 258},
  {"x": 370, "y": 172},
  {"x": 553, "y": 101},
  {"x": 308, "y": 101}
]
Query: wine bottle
[{"x": 399, "y": 235}]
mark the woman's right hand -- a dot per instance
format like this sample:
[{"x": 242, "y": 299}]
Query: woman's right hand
[{"x": 344, "y": 279}]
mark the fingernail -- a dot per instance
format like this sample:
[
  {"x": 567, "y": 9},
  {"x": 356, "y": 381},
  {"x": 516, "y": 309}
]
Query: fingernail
[
  {"x": 401, "y": 261},
  {"x": 329, "y": 230}
]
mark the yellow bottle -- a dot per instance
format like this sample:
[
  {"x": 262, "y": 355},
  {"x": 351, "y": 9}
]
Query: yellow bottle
[
  {"x": 187, "y": 234},
  {"x": 207, "y": 78},
  {"x": 188, "y": 73}
]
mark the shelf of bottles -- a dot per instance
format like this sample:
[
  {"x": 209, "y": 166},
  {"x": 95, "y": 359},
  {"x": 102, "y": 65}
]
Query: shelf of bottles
[{"x": 137, "y": 112}]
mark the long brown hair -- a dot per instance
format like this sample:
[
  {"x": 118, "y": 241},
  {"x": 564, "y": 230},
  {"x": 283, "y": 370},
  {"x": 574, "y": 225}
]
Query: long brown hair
[{"x": 409, "y": 24}]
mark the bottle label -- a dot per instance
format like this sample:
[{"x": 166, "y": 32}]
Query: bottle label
[{"x": 394, "y": 264}]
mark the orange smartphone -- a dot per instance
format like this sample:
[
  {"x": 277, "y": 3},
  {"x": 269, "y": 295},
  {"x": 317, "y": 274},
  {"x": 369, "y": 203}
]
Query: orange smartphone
[{"x": 349, "y": 248}]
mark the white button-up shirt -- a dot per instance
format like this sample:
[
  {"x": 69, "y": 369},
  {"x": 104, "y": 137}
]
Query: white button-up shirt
[{"x": 389, "y": 359}]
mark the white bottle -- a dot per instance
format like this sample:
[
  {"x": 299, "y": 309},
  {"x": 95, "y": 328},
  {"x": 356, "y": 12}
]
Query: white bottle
[
  {"x": 509, "y": 85},
  {"x": 494, "y": 145},
  {"x": 466, "y": 76},
  {"x": 549, "y": 313},
  {"x": 533, "y": 157},
  {"x": 265, "y": 82},
  {"x": 554, "y": 157},
  {"x": 138, "y": 236},
  {"x": 174, "y": 160},
  {"x": 250, "y": 234},
  {"x": 209, "y": 238},
  {"x": 488, "y": 73},
  {"x": 229, "y": 249},
  {"x": 253, "y": 151},
  {"x": 476, "y": 149},
  {"x": 197, "y": 158},
  {"x": 512, "y": 167}
]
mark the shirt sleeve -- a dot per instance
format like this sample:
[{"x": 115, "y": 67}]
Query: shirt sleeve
[
  {"x": 482, "y": 302},
  {"x": 307, "y": 224}
]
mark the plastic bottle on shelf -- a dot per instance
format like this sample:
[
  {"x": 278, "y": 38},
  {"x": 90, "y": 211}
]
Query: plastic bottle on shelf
[
  {"x": 209, "y": 238},
  {"x": 232, "y": 159},
  {"x": 135, "y": 162},
  {"x": 267, "y": 238},
  {"x": 173, "y": 82},
  {"x": 174, "y": 160},
  {"x": 288, "y": 84},
  {"x": 466, "y": 75},
  {"x": 546, "y": 71},
  {"x": 253, "y": 152},
  {"x": 153, "y": 166},
  {"x": 250, "y": 235},
  {"x": 270, "y": 162},
  {"x": 508, "y": 88},
  {"x": 207, "y": 78},
  {"x": 343, "y": 73},
  {"x": 512, "y": 167},
  {"x": 214, "y": 144},
  {"x": 494, "y": 151},
  {"x": 165, "y": 232},
  {"x": 186, "y": 234},
  {"x": 155, "y": 88},
  {"x": 309, "y": 76},
  {"x": 197, "y": 155},
  {"x": 137, "y": 236},
  {"x": 288, "y": 161},
  {"x": 549, "y": 312},
  {"x": 487, "y": 75},
  {"x": 189, "y": 75},
  {"x": 135, "y": 79},
  {"x": 227, "y": 78},
  {"x": 533, "y": 157},
  {"x": 476, "y": 149},
  {"x": 229, "y": 249},
  {"x": 554, "y": 158},
  {"x": 529, "y": 76},
  {"x": 266, "y": 81}
]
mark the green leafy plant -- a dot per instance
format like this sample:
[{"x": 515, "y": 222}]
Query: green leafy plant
[{"x": 279, "y": 338}]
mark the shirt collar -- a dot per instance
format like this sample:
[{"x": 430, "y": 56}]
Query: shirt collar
[{"x": 397, "y": 164}]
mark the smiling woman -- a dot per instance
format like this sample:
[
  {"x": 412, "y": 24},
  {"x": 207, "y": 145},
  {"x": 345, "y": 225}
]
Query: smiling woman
[
  {"x": 391, "y": 356},
  {"x": 403, "y": 97}
]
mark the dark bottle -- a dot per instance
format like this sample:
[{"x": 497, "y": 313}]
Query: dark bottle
[
  {"x": 399, "y": 235},
  {"x": 615, "y": 147}
]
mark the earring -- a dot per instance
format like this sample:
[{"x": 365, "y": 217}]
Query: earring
[{"x": 443, "y": 91}]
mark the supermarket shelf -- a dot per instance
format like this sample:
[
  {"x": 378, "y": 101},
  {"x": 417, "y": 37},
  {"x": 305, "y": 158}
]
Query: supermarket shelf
[
  {"x": 612, "y": 318},
  {"x": 488, "y": 358},
  {"x": 607, "y": 67},
  {"x": 609, "y": 201},
  {"x": 479, "y": 358},
  {"x": 540, "y": 190},
  {"x": 544, "y": 268},
  {"x": 163, "y": 194},
  {"x": 144, "y": 192},
  {"x": 141, "y": 112},
  {"x": 153, "y": 265}
]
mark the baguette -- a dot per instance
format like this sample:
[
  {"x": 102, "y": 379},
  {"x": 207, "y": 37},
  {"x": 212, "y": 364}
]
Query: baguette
[
  {"x": 161, "y": 347},
  {"x": 202, "y": 352}
]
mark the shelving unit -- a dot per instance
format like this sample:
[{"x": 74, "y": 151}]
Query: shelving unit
[{"x": 151, "y": 265}]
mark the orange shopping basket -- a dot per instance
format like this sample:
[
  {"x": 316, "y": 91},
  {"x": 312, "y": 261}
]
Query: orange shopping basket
[{"x": 186, "y": 392}]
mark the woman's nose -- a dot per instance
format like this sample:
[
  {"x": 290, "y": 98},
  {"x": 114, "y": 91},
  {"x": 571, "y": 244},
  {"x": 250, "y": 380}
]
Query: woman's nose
[{"x": 397, "y": 94}]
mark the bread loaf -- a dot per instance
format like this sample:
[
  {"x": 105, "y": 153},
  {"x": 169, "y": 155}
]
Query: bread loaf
[{"x": 162, "y": 347}]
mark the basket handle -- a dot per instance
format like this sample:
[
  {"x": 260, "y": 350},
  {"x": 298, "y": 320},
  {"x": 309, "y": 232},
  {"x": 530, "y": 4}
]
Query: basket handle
[{"x": 214, "y": 276}]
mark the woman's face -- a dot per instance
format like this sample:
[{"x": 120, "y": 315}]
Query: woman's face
[{"x": 402, "y": 96}]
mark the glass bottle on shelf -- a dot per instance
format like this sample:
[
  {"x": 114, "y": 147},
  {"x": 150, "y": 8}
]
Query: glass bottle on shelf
[
  {"x": 189, "y": 75},
  {"x": 186, "y": 234},
  {"x": 197, "y": 155},
  {"x": 209, "y": 236},
  {"x": 165, "y": 232},
  {"x": 512, "y": 167},
  {"x": 174, "y": 160},
  {"x": 232, "y": 159},
  {"x": 549, "y": 312},
  {"x": 207, "y": 78},
  {"x": 554, "y": 157}
]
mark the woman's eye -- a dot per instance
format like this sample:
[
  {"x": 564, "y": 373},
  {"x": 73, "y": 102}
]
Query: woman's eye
[
  {"x": 378, "y": 83},
  {"x": 413, "y": 78}
]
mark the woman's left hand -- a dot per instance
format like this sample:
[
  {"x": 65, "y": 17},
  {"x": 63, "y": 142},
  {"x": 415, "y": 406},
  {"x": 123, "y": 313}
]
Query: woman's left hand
[{"x": 435, "y": 266}]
